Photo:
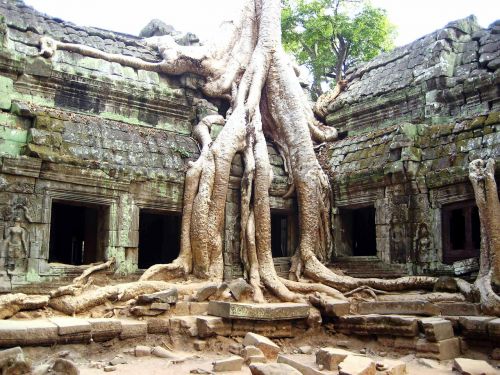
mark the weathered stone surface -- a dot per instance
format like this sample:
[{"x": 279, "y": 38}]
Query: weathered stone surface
[
  {"x": 206, "y": 291},
  {"x": 40, "y": 332},
  {"x": 103, "y": 329},
  {"x": 437, "y": 329},
  {"x": 303, "y": 363},
  {"x": 269, "y": 348},
  {"x": 273, "y": 369},
  {"x": 262, "y": 311},
  {"x": 442, "y": 350},
  {"x": 273, "y": 329},
  {"x": 142, "y": 351},
  {"x": 233, "y": 363},
  {"x": 158, "y": 325},
  {"x": 494, "y": 330},
  {"x": 458, "y": 308},
  {"x": 162, "y": 306},
  {"x": 211, "y": 326},
  {"x": 378, "y": 324},
  {"x": 337, "y": 308},
  {"x": 198, "y": 308},
  {"x": 396, "y": 307},
  {"x": 357, "y": 365},
  {"x": 475, "y": 326},
  {"x": 408, "y": 343},
  {"x": 12, "y": 333},
  {"x": 133, "y": 329},
  {"x": 467, "y": 366},
  {"x": 241, "y": 290},
  {"x": 249, "y": 351},
  {"x": 184, "y": 325},
  {"x": 68, "y": 326},
  {"x": 330, "y": 358}
]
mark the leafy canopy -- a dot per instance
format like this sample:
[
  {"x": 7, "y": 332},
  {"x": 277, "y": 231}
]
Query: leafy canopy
[{"x": 330, "y": 36}]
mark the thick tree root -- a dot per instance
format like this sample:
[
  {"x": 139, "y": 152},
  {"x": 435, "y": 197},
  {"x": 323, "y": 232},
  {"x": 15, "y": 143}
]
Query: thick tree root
[{"x": 10, "y": 304}]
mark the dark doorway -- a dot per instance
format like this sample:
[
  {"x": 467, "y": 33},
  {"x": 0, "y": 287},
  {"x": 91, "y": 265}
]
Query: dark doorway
[
  {"x": 159, "y": 237},
  {"x": 283, "y": 233},
  {"x": 461, "y": 231},
  {"x": 76, "y": 233},
  {"x": 358, "y": 230}
]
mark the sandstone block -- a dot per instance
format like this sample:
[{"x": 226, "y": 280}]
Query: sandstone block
[
  {"x": 398, "y": 307},
  {"x": 133, "y": 328},
  {"x": 475, "y": 326},
  {"x": 330, "y": 358},
  {"x": 142, "y": 351},
  {"x": 40, "y": 332},
  {"x": 200, "y": 345},
  {"x": 206, "y": 292},
  {"x": 408, "y": 343},
  {"x": 158, "y": 325},
  {"x": 212, "y": 326},
  {"x": 161, "y": 352},
  {"x": 357, "y": 365},
  {"x": 269, "y": 348},
  {"x": 467, "y": 366},
  {"x": 337, "y": 308},
  {"x": 437, "y": 329},
  {"x": 12, "y": 361},
  {"x": 241, "y": 290},
  {"x": 302, "y": 363},
  {"x": 441, "y": 350},
  {"x": 103, "y": 329},
  {"x": 144, "y": 311},
  {"x": 249, "y": 351},
  {"x": 458, "y": 308},
  {"x": 256, "y": 359},
  {"x": 181, "y": 308},
  {"x": 393, "y": 367},
  {"x": 169, "y": 296},
  {"x": 162, "y": 306},
  {"x": 69, "y": 326},
  {"x": 386, "y": 341},
  {"x": 185, "y": 325},
  {"x": 198, "y": 308},
  {"x": 494, "y": 330},
  {"x": 273, "y": 369},
  {"x": 374, "y": 324},
  {"x": 233, "y": 363},
  {"x": 258, "y": 311}
]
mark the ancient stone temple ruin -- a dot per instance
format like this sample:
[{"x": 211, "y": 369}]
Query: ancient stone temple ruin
[{"x": 93, "y": 160}]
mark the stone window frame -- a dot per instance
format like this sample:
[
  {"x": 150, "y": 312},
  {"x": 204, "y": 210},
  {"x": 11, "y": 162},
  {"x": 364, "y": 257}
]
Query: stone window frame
[{"x": 79, "y": 197}]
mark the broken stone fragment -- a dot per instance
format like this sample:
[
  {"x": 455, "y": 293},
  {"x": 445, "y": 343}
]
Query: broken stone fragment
[
  {"x": 63, "y": 366},
  {"x": 269, "y": 348},
  {"x": 330, "y": 358},
  {"x": 241, "y": 290},
  {"x": 160, "y": 352},
  {"x": 12, "y": 361},
  {"x": 170, "y": 296},
  {"x": 142, "y": 351},
  {"x": 233, "y": 363},
  {"x": 357, "y": 365},
  {"x": 306, "y": 349},
  {"x": 118, "y": 360},
  {"x": 163, "y": 306},
  {"x": 206, "y": 292},
  {"x": 200, "y": 345},
  {"x": 144, "y": 311},
  {"x": 437, "y": 329},
  {"x": 109, "y": 368},
  {"x": 467, "y": 366},
  {"x": 392, "y": 367},
  {"x": 273, "y": 369}
]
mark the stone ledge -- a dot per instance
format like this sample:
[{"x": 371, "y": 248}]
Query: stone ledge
[{"x": 264, "y": 311}]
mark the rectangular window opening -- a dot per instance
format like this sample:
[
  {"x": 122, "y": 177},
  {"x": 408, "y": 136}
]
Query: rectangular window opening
[
  {"x": 77, "y": 233},
  {"x": 461, "y": 231},
  {"x": 159, "y": 237},
  {"x": 358, "y": 231}
]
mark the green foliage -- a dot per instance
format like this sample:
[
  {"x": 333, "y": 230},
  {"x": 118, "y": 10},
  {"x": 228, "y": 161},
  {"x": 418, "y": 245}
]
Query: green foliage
[{"x": 330, "y": 36}]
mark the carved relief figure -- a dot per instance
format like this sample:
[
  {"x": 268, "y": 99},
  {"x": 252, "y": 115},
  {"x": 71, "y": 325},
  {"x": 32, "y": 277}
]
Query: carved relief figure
[{"x": 15, "y": 246}]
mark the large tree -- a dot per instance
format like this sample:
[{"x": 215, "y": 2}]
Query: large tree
[
  {"x": 330, "y": 36},
  {"x": 248, "y": 67}
]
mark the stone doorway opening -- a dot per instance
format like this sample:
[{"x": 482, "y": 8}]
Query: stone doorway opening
[
  {"x": 461, "y": 231},
  {"x": 283, "y": 233},
  {"x": 358, "y": 231},
  {"x": 77, "y": 234},
  {"x": 159, "y": 237}
]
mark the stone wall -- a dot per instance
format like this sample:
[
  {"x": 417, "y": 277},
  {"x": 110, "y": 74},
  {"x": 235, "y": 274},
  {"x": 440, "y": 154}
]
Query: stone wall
[
  {"x": 82, "y": 130},
  {"x": 413, "y": 119}
]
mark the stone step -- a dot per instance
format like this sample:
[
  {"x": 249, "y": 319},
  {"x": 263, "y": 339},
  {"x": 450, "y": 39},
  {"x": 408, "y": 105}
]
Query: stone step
[{"x": 258, "y": 311}]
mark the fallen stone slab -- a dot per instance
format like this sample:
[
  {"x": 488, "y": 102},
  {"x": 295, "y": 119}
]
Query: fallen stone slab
[
  {"x": 40, "y": 332},
  {"x": 269, "y": 348},
  {"x": 437, "y": 329},
  {"x": 162, "y": 306},
  {"x": 209, "y": 326},
  {"x": 441, "y": 350},
  {"x": 12, "y": 333},
  {"x": 206, "y": 292},
  {"x": 69, "y": 326},
  {"x": 184, "y": 325},
  {"x": 104, "y": 329},
  {"x": 303, "y": 363},
  {"x": 467, "y": 366},
  {"x": 12, "y": 361},
  {"x": 458, "y": 308},
  {"x": 258, "y": 311},
  {"x": 249, "y": 351},
  {"x": 494, "y": 330},
  {"x": 399, "y": 307},
  {"x": 241, "y": 290},
  {"x": 357, "y": 365},
  {"x": 475, "y": 326},
  {"x": 330, "y": 358},
  {"x": 392, "y": 367},
  {"x": 144, "y": 311},
  {"x": 169, "y": 296},
  {"x": 133, "y": 329},
  {"x": 374, "y": 324},
  {"x": 232, "y": 363},
  {"x": 273, "y": 369}
]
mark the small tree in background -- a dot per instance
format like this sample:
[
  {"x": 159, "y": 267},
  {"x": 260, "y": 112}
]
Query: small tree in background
[{"x": 330, "y": 36}]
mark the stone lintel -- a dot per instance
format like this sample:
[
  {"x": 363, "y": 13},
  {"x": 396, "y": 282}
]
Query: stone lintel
[{"x": 258, "y": 311}]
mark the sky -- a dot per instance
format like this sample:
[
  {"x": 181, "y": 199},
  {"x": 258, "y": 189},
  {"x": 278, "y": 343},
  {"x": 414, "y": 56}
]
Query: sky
[{"x": 413, "y": 18}]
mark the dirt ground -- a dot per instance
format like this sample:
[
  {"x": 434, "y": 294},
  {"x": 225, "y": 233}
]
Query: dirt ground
[{"x": 92, "y": 358}]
